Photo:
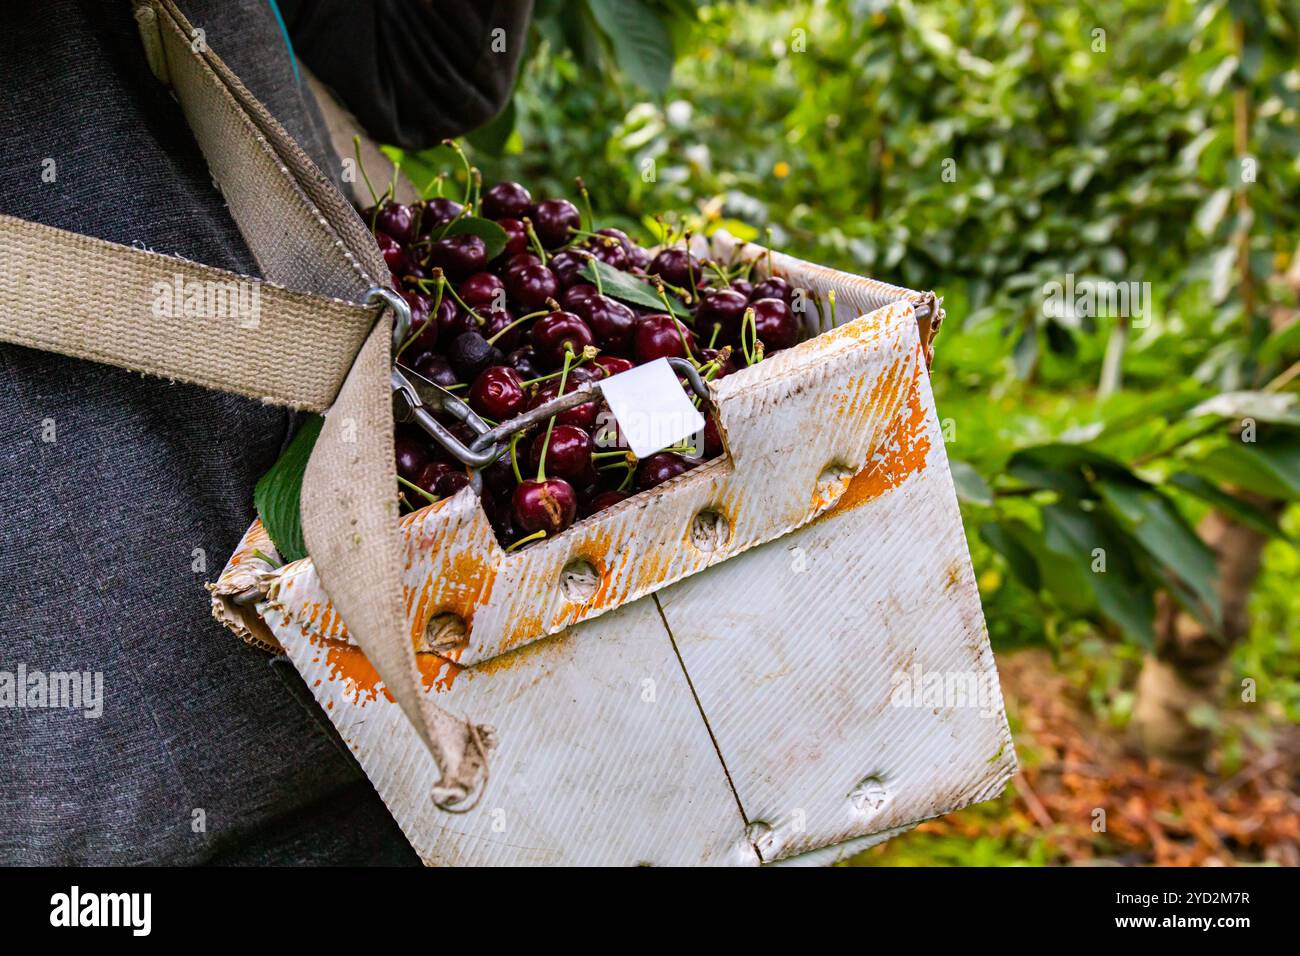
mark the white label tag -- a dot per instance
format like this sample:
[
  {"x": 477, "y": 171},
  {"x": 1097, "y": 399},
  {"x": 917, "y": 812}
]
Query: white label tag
[{"x": 651, "y": 407}]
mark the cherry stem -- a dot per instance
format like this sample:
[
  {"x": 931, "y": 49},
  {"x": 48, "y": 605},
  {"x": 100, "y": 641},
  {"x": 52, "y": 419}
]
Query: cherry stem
[
  {"x": 507, "y": 328},
  {"x": 514, "y": 457},
  {"x": 714, "y": 337},
  {"x": 361, "y": 167},
  {"x": 726, "y": 279},
  {"x": 546, "y": 442},
  {"x": 464, "y": 161},
  {"x": 830, "y": 298},
  {"x": 681, "y": 328},
  {"x": 263, "y": 556},
  {"x": 461, "y": 302},
  {"x": 437, "y": 179},
  {"x": 599, "y": 237},
  {"x": 586, "y": 203},
  {"x": 690, "y": 267},
  {"x": 535, "y": 536},
  {"x": 534, "y": 241},
  {"x": 478, "y": 185},
  {"x": 617, "y": 453},
  {"x": 595, "y": 273},
  {"x": 417, "y": 489},
  {"x": 747, "y": 324}
]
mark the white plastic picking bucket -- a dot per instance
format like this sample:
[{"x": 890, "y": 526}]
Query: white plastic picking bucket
[{"x": 777, "y": 657}]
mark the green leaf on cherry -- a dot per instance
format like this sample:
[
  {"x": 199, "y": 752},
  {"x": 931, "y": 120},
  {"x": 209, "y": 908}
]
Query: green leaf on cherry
[
  {"x": 621, "y": 286},
  {"x": 493, "y": 236}
]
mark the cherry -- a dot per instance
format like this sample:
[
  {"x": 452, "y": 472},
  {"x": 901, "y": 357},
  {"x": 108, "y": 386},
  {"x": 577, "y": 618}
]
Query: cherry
[
  {"x": 611, "y": 322},
  {"x": 721, "y": 310},
  {"x": 775, "y": 324},
  {"x": 581, "y": 374},
  {"x": 568, "y": 455},
  {"x": 575, "y": 294},
  {"x": 524, "y": 361},
  {"x": 725, "y": 367},
  {"x": 411, "y": 458},
  {"x": 552, "y": 220},
  {"x": 623, "y": 239},
  {"x": 584, "y": 416},
  {"x": 425, "y": 331},
  {"x": 547, "y": 504},
  {"x": 399, "y": 263},
  {"x": 482, "y": 289},
  {"x": 558, "y": 332},
  {"x": 450, "y": 483},
  {"x": 498, "y": 329},
  {"x": 675, "y": 266},
  {"x": 712, "y": 438},
  {"x": 497, "y": 393},
  {"x": 518, "y": 261},
  {"x": 530, "y": 286},
  {"x": 611, "y": 253},
  {"x": 611, "y": 365},
  {"x": 638, "y": 260},
  {"x": 429, "y": 476},
  {"x": 660, "y": 336},
  {"x": 459, "y": 256},
  {"x": 660, "y": 467},
  {"x": 567, "y": 264},
  {"x": 435, "y": 368},
  {"x": 437, "y": 212},
  {"x": 505, "y": 200},
  {"x": 605, "y": 500},
  {"x": 397, "y": 219},
  {"x": 452, "y": 320},
  {"x": 516, "y": 237},
  {"x": 471, "y": 353},
  {"x": 743, "y": 286},
  {"x": 773, "y": 287}
]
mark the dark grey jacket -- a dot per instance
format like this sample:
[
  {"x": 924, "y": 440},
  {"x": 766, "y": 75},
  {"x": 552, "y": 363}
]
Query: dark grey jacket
[{"x": 120, "y": 496}]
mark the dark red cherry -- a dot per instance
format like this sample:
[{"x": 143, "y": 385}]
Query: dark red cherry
[
  {"x": 505, "y": 200},
  {"x": 411, "y": 457},
  {"x": 524, "y": 361},
  {"x": 775, "y": 324},
  {"x": 609, "y": 251},
  {"x": 558, "y": 332},
  {"x": 453, "y": 320},
  {"x": 773, "y": 287},
  {"x": 605, "y": 500},
  {"x": 567, "y": 264},
  {"x": 549, "y": 505},
  {"x": 638, "y": 260},
  {"x": 568, "y": 455},
  {"x": 437, "y": 212},
  {"x": 499, "y": 322},
  {"x": 530, "y": 287},
  {"x": 394, "y": 255},
  {"x": 483, "y": 289},
  {"x": 516, "y": 237},
  {"x": 581, "y": 374},
  {"x": 675, "y": 267},
  {"x": 397, "y": 219},
  {"x": 575, "y": 294},
  {"x": 623, "y": 239},
  {"x": 611, "y": 322},
  {"x": 450, "y": 483},
  {"x": 428, "y": 480},
  {"x": 721, "y": 310},
  {"x": 660, "y": 467},
  {"x": 660, "y": 336},
  {"x": 518, "y": 261},
  {"x": 712, "y": 438},
  {"x": 435, "y": 368},
  {"x": 743, "y": 286},
  {"x": 552, "y": 220},
  {"x": 583, "y": 416},
  {"x": 497, "y": 393},
  {"x": 611, "y": 364},
  {"x": 459, "y": 256}
]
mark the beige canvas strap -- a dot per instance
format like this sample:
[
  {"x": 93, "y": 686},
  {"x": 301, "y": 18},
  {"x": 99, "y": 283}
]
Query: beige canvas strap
[{"x": 319, "y": 348}]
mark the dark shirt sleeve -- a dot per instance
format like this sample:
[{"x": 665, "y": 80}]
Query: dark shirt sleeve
[{"x": 413, "y": 71}]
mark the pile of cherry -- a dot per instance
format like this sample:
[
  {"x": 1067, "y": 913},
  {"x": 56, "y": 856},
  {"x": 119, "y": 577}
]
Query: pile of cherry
[{"x": 535, "y": 322}]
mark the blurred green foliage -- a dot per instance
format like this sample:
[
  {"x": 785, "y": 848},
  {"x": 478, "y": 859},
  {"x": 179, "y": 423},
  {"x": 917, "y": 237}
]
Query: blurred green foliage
[{"x": 987, "y": 151}]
